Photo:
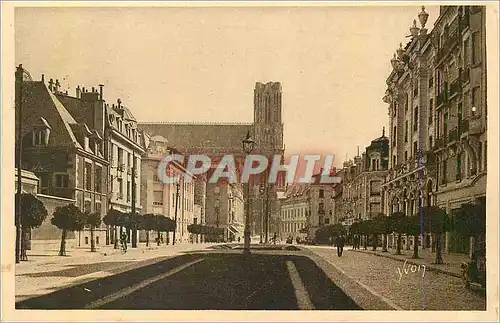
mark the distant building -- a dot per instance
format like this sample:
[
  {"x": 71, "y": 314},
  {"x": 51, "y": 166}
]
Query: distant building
[
  {"x": 218, "y": 139},
  {"x": 362, "y": 179},
  {"x": 295, "y": 210},
  {"x": 161, "y": 198}
]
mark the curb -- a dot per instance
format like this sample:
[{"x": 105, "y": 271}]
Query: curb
[{"x": 429, "y": 268}]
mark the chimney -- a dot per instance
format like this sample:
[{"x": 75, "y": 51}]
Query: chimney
[
  {"x": 83, "y": 89},
  {"x": 100, "y": 91},
  {"x": 78, "y": 92},
  {"x": 43, "y": 78},
  {"x": 93, "y": 90},
  {"x": 51, "y": 84},
  {"x": 56, "y": 89},
  {"x": 119, "y": 101}
]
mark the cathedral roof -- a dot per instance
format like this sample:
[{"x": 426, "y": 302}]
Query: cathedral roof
[{"x": 200, "y": 136}]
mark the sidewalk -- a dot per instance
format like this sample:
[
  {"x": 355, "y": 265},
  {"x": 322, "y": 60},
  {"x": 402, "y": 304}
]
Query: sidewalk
[
  {"x": 451, "y": 265},
  {"x": 45, "y": 273},
  {"x": 386, "y": 278}
]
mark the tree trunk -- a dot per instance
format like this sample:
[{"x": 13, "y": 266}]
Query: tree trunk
[
  {"x": 407, "y": 242},
  {"x": 115, "y": 236},
  {"x": 398, "y": 245},
  {"x": 62, "y": 250},
  {"x": 107, "y": 235},
  {"x": 384, "y": 242},
  {"x": 92, "y": 239},
  {"x": 365, "y": 242},
  {"x": 374, "y": 242},
  {"x": 134, "y": 237},
  {"x": 158, "y": 237},
  {"x": 415, "y": 247},
  {"x": 473, "y": 255},
  {"x": 24, "y": 256},
  {"x": 439, "y": 258},
  {"x": 147, "y": 238}
]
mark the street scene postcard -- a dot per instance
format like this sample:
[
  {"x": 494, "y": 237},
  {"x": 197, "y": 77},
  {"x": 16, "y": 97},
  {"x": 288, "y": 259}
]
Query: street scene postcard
[{"x": 249, "y": 161}]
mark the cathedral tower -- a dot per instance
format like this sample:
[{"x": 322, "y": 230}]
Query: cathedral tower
[{"x": 268, "y": 124}]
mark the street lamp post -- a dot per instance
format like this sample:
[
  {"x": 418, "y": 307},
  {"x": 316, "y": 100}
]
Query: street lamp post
[
  {"x": 177, "y": 185},
  {"x": 248, "y": 146}
]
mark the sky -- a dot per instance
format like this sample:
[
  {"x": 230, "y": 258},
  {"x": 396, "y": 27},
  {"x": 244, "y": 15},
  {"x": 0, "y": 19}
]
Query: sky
[{"x": 200, "y": 64}]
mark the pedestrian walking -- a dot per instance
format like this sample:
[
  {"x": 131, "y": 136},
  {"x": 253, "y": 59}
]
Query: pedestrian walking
[{"x": 340, "y": 242}]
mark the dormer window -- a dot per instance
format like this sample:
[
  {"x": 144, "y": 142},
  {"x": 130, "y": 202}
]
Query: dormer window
[
  {"x": 39, "y": 137},
  {"x": 41, "y": 133}
]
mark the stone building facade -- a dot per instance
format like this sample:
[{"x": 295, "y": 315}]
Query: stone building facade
[
  {"x": 161, "y": 198},
  {"x": 66, "y": 154},
  {"x": 437, "y": 107},
  {"x": 295, "y": 208}
]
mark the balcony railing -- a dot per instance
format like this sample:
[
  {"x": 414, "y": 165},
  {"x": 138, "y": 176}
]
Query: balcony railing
[
  {"x": 452, "y": 135},
  {"x": 440, "y": 142},
  {"x": 464, "y": 126},
  {"x": 447, "y": 45},
  {"x": 455, "y": 87},
  {"x": 466, "y": 75},
  {"x": 475, "y": 126}
]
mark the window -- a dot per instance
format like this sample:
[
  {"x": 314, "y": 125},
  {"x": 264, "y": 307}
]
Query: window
[
  {"x": 394, "y": 136},
  {"x": 415, "y": 149},
  {"x": 128, "y": 191},
  {"x": 407, "y": 102},
  {"x": 393, "y": 161},
  {"x": 44, "y": 180},
  {"x": 415, "y": 118},
  {"x": 321, "y": 193},
  {"x": 120, "y": 188},
  {"x": 476, "y": 101},
  {"x": 97, "y": 179},
  {"x": 88, "y": 176},
  {"x": 431, "y": 82},
  {"x": 476, "y": 48},
  {"x": 120, "y": 158},
  {"x": 406, "y": 131},
  {"x": 431, "y": 110},
  {"x": 98, "y": 207},
  {"x": 466, "y": 52},
  {"x": 375, "y": 187},
  {"x": 87, "y": 206},
  {"x": 406, "y": 155},
  {"x": 327, "y": 221},
  {"x": 62, "y": 180},
  {"x": 155, "y": 177},
  {"x": 430, "y": 141},
  {"x": 39, "y": 138},
  {"x": 158, "y": 198},
  {"x": 415, "y": 89}
]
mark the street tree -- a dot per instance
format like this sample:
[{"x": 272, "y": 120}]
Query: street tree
[
  {"x": 112, "y": 219},
  {"x": 67, "y": 218},
  {"x": 397, "y": 223},
  {"x": 414, "y": 228},
  {"x": 148, "y": 224},
  {"x": 33, "y": 213},
  {"x": 437, "y": 222},
  {"x": 93, "y": 221},
  {"x": 470, "y": 220},
  {"x": 383, "y": 228}
]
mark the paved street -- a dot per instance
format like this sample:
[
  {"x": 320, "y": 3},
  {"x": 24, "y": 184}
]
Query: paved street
[
  {"x": 207, "y": 280},
  {"x": 412, "y": 291},
  {"x": 32, "y": 276}
]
